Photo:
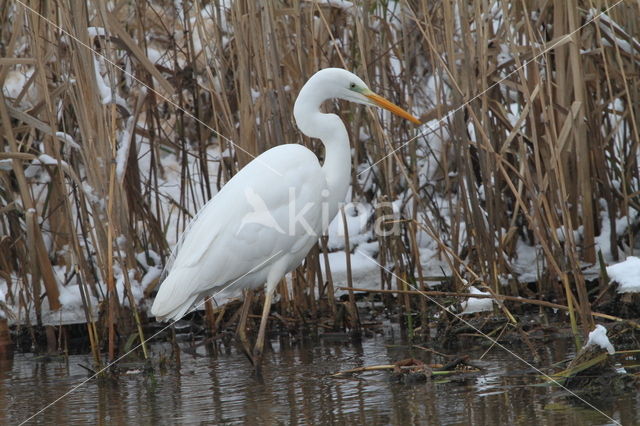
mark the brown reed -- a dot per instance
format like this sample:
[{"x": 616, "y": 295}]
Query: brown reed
[{"x": 567, "y": 161}]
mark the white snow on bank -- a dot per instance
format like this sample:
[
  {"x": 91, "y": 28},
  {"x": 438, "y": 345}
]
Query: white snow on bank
[
  {"x": 474, "y": 304},
  {"x": 365, "y": 272},
  {"x": 72, "y": 310},
  {"x": 357, "y": 216},
  {"x": 603, "y": 241},
  {"x": 626, "y": 274},
  {"x": 527, "y": 265},
  {"x": 598, "y": 337}
]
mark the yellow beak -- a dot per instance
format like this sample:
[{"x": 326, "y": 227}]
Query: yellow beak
[{"x": 383, "y": 103}]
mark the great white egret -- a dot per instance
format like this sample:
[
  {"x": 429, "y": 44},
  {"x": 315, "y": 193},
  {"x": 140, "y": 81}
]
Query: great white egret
[{"x": 265, "y": 220}]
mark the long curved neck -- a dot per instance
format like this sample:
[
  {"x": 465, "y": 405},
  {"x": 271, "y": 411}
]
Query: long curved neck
[{"x": 330, "y": 129}]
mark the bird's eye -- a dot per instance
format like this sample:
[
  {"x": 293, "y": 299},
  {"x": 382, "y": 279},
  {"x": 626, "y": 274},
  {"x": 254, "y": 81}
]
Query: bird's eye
[{"x": 352, "y": 86}]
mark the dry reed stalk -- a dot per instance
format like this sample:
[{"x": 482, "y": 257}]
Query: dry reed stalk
[
  {"x": 311, "y": 263},
  {"x": 415, "y": 255},
  {"x": 548, "y": 183},
  {"x": 354, "y": 319}
]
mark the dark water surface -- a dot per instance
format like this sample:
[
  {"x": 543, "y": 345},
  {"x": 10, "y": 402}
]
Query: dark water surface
[{"x": 297, "y": 388}]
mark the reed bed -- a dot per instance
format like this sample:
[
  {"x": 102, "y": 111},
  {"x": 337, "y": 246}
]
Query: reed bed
[{"x": 529, "y": 154}]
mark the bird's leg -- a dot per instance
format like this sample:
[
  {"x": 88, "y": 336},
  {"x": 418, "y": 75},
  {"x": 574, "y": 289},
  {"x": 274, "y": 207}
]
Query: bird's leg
[
  {"x": 257, "y": 351},
  {"x": 242, "y": 323}
]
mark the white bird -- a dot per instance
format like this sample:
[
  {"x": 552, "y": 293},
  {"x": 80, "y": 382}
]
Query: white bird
[{"x": 265, "y": 220}]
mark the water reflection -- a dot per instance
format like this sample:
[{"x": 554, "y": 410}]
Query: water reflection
[{"x": 296, "y": 389}]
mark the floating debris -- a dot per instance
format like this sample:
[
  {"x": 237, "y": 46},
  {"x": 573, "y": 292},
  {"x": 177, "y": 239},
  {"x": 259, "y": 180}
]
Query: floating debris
[{"x": 411, "y": 370}]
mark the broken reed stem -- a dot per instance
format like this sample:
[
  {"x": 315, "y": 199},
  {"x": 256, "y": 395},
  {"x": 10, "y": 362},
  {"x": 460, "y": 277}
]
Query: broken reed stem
[{"x": 210, "y": 320}]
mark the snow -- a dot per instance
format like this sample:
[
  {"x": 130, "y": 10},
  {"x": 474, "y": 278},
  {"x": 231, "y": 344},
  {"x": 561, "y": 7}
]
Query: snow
[
  {"x": 341, "y": 4},
  {"x": 121, "y": 282},
  {"x": 210, "y": 15},
  {"x": 603, "y": 241},
  {"x": 433, "y": 264},
  {"x": 123, "y": 148},
  {"x": 626, "y": 274},
  {"x": 357, "y": 216},
  {"x": 165, "y": 59},
  {"x": 67, "y": 139},
  {"x": 50, "y": 161},
  {"x": 96, "y": 31},
  {"x": 15, "y": 82},
  {"x": 365, "y": 272},
  {"x": 562, "y": 233},
  {"x": 103, "y": 88},
  {"x": 598, "y": 337},
  {"x": 152, "y": 274},
  {"x": 474, "y": 304},
  {"x": 528, "y": 266},
  {"x": 70, "y": 296},
  {"x": 71, "y": 312}
]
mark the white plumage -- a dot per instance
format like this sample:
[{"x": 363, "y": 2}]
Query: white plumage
[{"x": 230, "y": 239}]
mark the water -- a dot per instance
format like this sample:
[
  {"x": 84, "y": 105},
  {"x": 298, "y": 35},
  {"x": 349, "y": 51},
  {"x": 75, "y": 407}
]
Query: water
[{"x": 297, "y": 388}]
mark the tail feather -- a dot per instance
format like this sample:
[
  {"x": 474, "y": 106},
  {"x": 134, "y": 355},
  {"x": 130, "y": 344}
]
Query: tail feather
[
  {"x": 177, "y": 313},
  {"x": 174, "y": 299}
]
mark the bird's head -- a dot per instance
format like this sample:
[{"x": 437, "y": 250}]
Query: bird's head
[{"x": 342, "y": 84}]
